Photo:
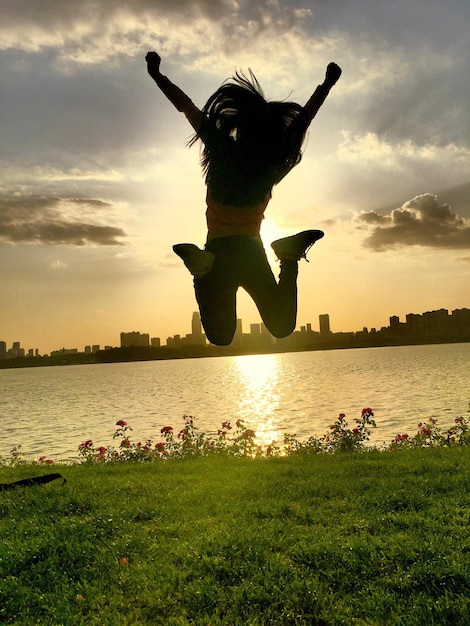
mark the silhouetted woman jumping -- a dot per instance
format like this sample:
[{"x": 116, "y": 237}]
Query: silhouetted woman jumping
[{"x": 250, "y": 144}]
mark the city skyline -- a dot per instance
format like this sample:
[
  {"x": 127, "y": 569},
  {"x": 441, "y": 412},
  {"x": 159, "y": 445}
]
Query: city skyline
[
  {"x": 430, "y": 322},
  {"x": 98, "y": 182}
]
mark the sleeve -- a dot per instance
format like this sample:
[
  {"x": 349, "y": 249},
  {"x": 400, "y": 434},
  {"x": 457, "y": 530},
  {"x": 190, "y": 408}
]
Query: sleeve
[{"x": 180, "y": 100}]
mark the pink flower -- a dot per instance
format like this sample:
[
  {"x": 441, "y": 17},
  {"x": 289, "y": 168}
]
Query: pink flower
[
  {"x": 402, "y": 437},
  {"x": 101, "y": 450},
  {"x": 85, "y": 445},
  {"x": 166, "y": 429},
  {"x": 356, "y": 431},
  {"x": 121, "y": 423},
  {"x": 160, "y": 446},
  {"x": 248, "y": 434},
  {"x": 341, "y": 416}
]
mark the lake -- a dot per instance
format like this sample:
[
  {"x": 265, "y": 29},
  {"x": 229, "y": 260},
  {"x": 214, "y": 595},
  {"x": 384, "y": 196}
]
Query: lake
[{"x": 51, "y": 410}]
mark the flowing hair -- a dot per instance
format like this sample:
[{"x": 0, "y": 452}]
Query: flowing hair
[{"x": 249, "y": 143}]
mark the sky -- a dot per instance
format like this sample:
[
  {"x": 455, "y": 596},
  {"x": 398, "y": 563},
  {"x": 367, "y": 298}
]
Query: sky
[{"x": 97, "y": 182}]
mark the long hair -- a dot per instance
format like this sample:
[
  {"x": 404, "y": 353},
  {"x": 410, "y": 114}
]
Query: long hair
[{"x": 249, "y": 143}]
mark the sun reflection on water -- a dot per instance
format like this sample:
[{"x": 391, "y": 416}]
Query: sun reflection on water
[{"x": 259, "y": 379}]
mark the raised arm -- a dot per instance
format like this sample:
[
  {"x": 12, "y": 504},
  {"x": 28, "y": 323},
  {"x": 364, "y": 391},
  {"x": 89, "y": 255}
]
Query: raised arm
[
  {"x": 175, "y": 95},
  {"x": 333, "y": 72}
]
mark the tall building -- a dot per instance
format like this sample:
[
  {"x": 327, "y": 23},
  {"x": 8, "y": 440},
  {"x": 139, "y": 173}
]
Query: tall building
[
  {"x": 196, "y": 326},
  {"x": 394, "y": 321},
  {"x": 16, "y": 350},
  {"x": 197, "y": 337},
  {"x": 324, "y": 324}
]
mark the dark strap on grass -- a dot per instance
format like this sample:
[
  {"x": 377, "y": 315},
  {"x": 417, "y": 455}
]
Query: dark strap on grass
[{"x": 30, "y": 482}]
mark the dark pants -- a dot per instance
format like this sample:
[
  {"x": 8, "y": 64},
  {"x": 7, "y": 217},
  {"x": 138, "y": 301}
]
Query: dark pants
[{"x": 241, "y": 262}]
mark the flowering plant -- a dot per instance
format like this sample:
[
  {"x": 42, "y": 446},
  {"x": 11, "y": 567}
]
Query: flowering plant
[
  {"x": 187, "y": 442},
  {"x": 240, "y": 441},
  {"x": 429, "y": 435},
  {"x": 343, "y": 438}
]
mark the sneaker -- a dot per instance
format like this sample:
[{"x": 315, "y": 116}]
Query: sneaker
[
  {"x": 296, "y": 247},
  {"x": 199, "y": 262}
]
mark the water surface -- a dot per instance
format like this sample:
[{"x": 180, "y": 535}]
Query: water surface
[{"x": 50, "y": 410}]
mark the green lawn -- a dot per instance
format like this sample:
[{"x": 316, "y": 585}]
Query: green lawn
[{"x": 367, "y": 538}]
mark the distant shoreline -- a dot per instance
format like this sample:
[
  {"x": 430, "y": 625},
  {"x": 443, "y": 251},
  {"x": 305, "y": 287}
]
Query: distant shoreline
[{"x": 148, "y": 353}]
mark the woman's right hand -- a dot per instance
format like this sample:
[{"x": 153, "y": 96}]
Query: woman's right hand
[{"x": 153, "y": 63}]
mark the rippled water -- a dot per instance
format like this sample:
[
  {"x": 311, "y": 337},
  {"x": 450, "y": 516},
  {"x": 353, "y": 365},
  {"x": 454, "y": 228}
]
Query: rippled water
[{"x": 50, "y": 410}]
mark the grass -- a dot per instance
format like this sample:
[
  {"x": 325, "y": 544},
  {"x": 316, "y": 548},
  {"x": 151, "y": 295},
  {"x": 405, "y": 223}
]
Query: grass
[{"x": 364, "y": 539}]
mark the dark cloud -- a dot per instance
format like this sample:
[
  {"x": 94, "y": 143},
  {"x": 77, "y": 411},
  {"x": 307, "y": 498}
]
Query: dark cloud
[
  {"x": 422, "y": 221},
  {"x": 60, "y": 14},
  {"x": 42, "y": 219}
]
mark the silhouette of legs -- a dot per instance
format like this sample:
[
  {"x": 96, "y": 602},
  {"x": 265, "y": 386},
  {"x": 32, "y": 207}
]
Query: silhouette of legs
[
  {"x": 242, "y": 262},
  {"x": 228, "y": 263}
]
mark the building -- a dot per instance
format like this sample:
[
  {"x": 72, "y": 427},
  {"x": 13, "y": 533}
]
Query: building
[
  {"x": 15, "y": 351},
  {"x": 196, "y": 326},
  {"x": 324, "y": 324},
  {"x": 63, "y": 351},
  {"x": 134, "y": 338},
  {"x": 197, "y": 337}
]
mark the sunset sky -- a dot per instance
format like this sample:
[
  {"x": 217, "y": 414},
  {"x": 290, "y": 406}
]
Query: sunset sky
[{"x": 97, "y": 182}]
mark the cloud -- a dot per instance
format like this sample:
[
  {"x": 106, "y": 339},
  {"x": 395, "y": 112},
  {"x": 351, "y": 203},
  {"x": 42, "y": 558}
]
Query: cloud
[
  {"x": 374, "y": 164},
  {"x": 52, "y": 220},
  {"x": 92, "y": 32},
  {"x": 369, "y": 149},
  {"x": 422, "y": 221},
  {"x": 58, "y": 265}
]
